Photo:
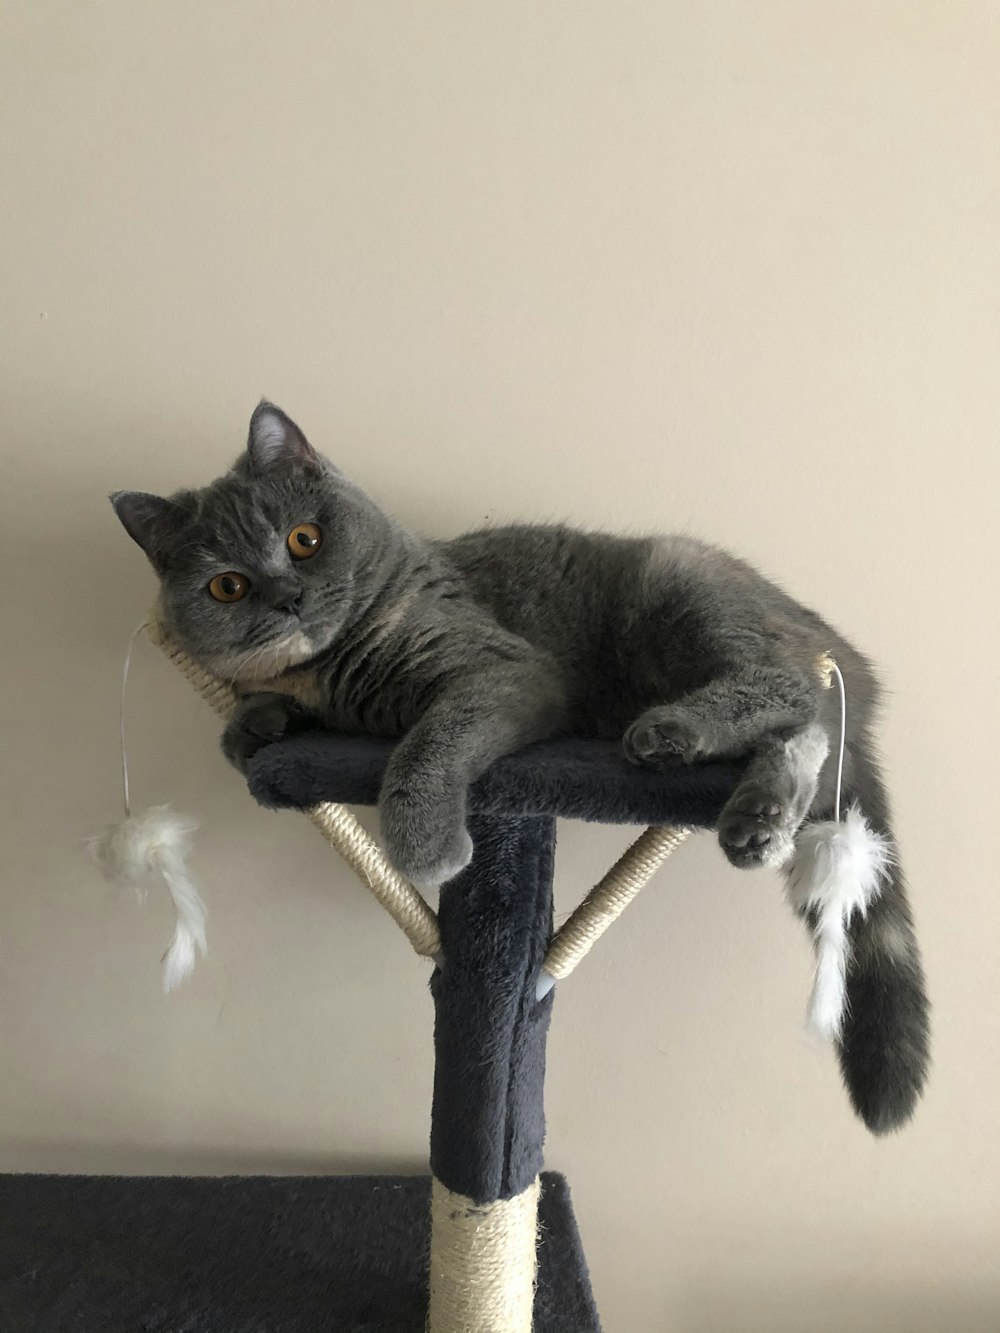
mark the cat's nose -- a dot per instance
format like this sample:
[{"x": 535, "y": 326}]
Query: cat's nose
[
  {"x": 284, "y": 595},
  {"x": 292, "y": 603}
]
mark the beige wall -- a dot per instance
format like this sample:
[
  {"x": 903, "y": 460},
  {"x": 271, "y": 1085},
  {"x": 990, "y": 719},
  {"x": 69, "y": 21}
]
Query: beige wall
[{"x": 730, "y": 268}]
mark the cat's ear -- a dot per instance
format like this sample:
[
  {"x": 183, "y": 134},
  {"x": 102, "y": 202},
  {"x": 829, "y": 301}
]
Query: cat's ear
[
  {"x": 156, "y": 524},
  {"x": 276, "y": 445}
]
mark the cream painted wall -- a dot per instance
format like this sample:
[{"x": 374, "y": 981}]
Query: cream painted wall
[{"x": 730, "y": 268}]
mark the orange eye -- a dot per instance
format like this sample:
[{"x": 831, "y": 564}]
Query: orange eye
[
  {"x": 231, "y": 587},
  {"x": 304, "y": 541}
]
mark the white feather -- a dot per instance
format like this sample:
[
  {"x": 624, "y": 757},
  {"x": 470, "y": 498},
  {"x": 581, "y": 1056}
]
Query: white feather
[
  {"x": 838, "y": 870},
  {"x": 131, "y": 855}
]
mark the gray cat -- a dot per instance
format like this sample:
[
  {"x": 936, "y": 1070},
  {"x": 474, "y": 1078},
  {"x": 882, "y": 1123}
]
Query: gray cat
[{"x": 286, "y": 579}]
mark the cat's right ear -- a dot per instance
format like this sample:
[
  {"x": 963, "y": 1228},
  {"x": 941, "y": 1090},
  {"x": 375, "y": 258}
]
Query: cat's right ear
[
  {"x": 154, "y": 523},
  {"x": 277, "y": 447}
]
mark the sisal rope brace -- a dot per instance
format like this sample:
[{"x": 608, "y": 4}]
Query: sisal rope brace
[
  {"x": 825, "y": 667},
  {"x": 401, "y": 899},
  {"x": 483, "y": 1256},
  {"x": 606, "y": 901}
]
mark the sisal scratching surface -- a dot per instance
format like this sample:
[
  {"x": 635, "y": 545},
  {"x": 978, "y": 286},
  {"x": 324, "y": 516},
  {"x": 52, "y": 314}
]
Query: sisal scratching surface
[
  {"x": 605, "y": 903},
  {"x": 404, "y": 903},
  {"x": 483, "y": 1258}
]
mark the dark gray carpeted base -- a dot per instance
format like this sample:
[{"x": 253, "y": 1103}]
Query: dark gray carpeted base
[{"x": 254, "y": 1254}]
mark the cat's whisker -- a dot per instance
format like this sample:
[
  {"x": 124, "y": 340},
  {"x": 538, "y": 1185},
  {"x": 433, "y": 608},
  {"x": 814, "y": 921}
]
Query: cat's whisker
[{"x": 240, "y": 670}]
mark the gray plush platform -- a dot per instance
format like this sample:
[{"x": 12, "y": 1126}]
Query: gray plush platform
[
  {"x": 572, "y": 777},
  {"x": 252, "y": 1254}
]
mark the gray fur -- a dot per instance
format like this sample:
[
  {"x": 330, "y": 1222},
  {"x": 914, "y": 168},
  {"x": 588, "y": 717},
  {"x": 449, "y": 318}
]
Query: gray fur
[{"x": 471, "y": 648}]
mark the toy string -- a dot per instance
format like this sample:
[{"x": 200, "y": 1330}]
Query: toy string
[
  {"x": 121, "y": 717},
  {"x": 843, "y": 740}
]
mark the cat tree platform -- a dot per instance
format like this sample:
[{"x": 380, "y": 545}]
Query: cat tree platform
[
  {"x": 455, "y": 1254},
  {"x": 571, "y": 778}
]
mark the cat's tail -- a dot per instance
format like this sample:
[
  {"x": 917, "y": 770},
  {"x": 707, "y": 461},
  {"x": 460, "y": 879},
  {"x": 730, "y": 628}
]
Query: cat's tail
[{"x": 869, "y": 995}]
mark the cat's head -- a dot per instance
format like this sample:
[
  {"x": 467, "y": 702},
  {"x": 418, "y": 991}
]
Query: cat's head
[{"x": 260, "y": 570}]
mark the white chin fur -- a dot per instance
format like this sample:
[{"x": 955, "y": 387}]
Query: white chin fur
[
  {"x": 837, "y": 870},
  {"x": 131, "y": 855},
  {"x": 265, "y": 663}
]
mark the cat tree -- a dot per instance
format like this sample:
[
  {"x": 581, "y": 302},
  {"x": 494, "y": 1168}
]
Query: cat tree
[
  {"x": 503, "y": 1254},
  {"x": 497, "y": 961}
]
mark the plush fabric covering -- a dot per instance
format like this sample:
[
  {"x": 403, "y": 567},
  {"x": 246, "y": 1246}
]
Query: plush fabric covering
[
  {"x": 256, "y": 1254},
  {"x": 488, "y": 1121},
  {"x": 573, "y": 778}
]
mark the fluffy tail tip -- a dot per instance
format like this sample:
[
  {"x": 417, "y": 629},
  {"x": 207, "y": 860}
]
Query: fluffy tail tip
[{"x": 884, "y": 1046}]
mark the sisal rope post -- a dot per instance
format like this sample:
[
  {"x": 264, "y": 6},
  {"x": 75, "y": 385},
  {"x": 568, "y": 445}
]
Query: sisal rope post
[{"x": 483, "y": 1260}]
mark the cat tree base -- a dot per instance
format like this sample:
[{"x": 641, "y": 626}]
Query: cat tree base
[{"x": 105, "y": 1254}]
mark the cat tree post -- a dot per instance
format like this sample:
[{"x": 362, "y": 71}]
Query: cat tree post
[
  {"x": 488, "y": 1119},
  {"x": 495, "y": 921}
]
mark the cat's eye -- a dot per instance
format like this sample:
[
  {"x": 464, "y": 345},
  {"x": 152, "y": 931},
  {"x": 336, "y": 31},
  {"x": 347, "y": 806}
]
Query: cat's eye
[
  {"x": 304, "y": 541},
  {"x": 229, "y": 587}
]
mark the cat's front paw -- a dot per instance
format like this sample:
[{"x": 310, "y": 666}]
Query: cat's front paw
[
  {"x": 425, "y": 837},
  {"x": 259, "y": 720}
]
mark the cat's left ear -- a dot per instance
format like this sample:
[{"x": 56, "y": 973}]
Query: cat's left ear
[
  {"x": 276, "y": 445},
  {"x": 155, "y": 524}
]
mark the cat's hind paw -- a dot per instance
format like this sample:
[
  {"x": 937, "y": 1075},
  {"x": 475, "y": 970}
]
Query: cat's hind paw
[
  {"x": 666, "y": 735},
  {"x": 755, "y": 829}
]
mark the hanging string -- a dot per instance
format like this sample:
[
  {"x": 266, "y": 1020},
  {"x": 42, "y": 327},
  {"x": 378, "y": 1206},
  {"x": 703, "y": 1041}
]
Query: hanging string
[
  {"x": 121, "y": 717},
  {"x": 843, "y": 741}
]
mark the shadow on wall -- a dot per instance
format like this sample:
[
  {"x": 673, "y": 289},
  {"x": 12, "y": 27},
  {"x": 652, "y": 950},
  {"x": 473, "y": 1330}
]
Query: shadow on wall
[{"x": 142, "y": 1159}]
